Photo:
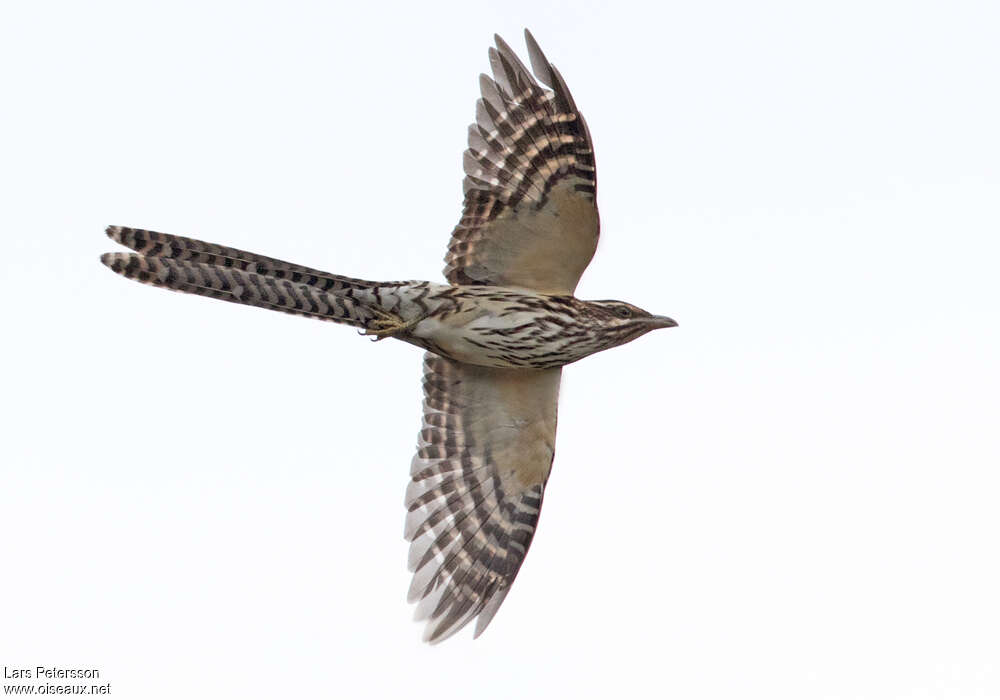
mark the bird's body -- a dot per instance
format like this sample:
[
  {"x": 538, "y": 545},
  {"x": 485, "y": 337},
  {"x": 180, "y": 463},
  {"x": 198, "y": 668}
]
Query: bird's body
[
  {"x": 496, "y": 336},
  {"x": 518, "y": 329},
  {"x": 502, "y": 327}
]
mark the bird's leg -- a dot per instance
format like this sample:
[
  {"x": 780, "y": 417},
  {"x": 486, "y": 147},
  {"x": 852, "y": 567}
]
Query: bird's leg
[{"x": 386, "y": 324}]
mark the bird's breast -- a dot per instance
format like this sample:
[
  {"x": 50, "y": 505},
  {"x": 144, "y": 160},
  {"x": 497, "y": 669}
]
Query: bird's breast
[{"x": 505, "y": 336}]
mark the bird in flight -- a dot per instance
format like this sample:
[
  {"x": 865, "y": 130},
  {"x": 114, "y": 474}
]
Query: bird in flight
[{"x": 495, "y": 337}]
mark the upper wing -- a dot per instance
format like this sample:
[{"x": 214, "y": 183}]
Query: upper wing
[
  {"x": 530, "y": 215},
  {"x": 483, "y": 458}
]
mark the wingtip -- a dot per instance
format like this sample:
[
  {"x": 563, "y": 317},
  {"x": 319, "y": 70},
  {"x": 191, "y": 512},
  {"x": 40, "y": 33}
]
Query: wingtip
[
  {"x": 502, "y": 45},
  {"x": 540, "y": 65}
]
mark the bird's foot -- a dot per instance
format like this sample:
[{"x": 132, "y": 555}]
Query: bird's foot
[{"x": 387, "y": 324}]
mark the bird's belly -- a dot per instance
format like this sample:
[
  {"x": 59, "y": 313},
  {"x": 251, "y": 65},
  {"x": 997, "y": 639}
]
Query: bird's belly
[{"x": 510, "y": 341}]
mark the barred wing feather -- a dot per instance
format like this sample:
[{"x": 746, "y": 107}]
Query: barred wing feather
[
  {"x": 484, "y": 455},
  {"x": 530, "y": 214}
]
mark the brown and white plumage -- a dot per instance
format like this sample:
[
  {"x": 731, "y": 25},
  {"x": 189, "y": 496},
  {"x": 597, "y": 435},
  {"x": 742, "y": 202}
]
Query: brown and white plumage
[
  {"x": 210, "y": 270},
  {"x": 483, "y": 458},
  {"x": 530, "y": 216},
  {"x": 529, "y": 220},
  {"x": 496, "y": 336}
]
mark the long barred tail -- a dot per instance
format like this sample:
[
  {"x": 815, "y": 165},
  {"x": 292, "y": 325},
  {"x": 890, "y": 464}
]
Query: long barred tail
[{"x": 192, "y": 266}]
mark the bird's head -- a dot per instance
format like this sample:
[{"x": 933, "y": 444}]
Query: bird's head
[{"x": 625, "y": 322}]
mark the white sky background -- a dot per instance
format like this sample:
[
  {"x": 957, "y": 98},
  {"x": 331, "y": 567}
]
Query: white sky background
[{"x": 792, "y": 495}]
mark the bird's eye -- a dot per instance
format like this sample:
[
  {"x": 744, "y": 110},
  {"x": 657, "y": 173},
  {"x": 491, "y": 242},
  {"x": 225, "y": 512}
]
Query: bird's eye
[{"x": 624, "y": 312}]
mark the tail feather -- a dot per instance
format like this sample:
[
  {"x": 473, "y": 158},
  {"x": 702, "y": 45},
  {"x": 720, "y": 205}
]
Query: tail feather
[
  {"x": 333, "y": 299},
  {"x": 153, "y": 244}
]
